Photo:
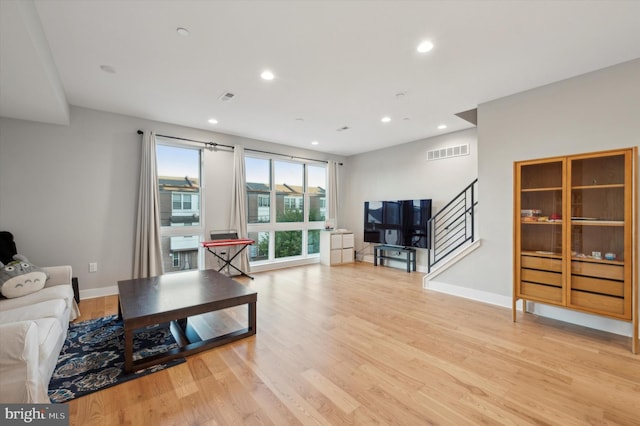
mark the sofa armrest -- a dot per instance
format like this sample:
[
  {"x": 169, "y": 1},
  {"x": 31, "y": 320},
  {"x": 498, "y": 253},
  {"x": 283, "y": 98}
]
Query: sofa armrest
[
  {"x": 19, "y": 364},
  {"x": 58, "y": 275}
]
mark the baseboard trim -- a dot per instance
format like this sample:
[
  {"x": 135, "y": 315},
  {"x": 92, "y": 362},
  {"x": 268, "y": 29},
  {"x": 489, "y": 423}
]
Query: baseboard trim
[
  {"x": 597, "y": 322},
  {"x": 98, "y": 292}
]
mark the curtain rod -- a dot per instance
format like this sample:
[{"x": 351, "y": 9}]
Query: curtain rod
[{"x": 214, "y": 145}]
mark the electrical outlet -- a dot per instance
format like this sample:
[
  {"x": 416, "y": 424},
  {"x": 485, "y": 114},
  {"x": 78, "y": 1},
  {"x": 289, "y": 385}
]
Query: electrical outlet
[{"x": 93, "y": 267}]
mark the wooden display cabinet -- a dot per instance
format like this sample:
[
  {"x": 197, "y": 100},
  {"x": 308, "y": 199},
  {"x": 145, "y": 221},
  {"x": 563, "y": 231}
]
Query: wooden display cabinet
[{"x": 575, "y": 234}]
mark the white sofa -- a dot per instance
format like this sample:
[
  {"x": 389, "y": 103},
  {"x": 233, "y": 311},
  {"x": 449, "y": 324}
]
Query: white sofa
[{"x": 33, "y": 329}]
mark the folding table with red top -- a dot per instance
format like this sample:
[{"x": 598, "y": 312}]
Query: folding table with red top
[{"x": 243, "y": 243}]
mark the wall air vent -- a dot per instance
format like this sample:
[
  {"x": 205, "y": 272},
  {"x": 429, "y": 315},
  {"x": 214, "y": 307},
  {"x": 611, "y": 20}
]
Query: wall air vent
[
  {"x": 226, "y": 96},
  {"x": 448, "y": 152}
]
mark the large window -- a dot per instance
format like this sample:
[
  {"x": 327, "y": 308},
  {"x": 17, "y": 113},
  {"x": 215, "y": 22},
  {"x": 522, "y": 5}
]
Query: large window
[
  {"x": 286, "y": 205},
  {"x": 180, "y": 196}
]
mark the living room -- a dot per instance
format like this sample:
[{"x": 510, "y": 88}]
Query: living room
[{"x": 69, "y": 192}]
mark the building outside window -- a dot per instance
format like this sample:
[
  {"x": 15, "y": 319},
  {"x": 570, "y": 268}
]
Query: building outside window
[
  {"x": 180, "y": 196},
  {"x": 286, "y": 205}
]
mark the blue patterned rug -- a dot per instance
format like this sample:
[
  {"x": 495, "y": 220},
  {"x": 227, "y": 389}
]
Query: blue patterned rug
[{"x": 92, "y": 357}]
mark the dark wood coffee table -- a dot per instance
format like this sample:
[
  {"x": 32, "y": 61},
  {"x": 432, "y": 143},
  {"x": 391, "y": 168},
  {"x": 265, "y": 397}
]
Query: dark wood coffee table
[{"x": 173, "y": 298}]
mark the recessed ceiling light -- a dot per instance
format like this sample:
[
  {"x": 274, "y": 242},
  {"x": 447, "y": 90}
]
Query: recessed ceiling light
[
  {"x": 108, "y": 69},
  {"x": 425, "y": 46},
  {"x": 314, "y": 142},
  {"x": 213, "y": 121},
  {"x": 267, "y": 75},
  {"x": 442, "y": 126},
  {"x": 385, "y": 119},
  {"x": 182, "y": 31}
]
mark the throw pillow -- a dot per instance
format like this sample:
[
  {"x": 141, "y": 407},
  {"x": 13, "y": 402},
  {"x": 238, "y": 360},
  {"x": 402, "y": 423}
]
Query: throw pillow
[{"x": 20, "y": 277}]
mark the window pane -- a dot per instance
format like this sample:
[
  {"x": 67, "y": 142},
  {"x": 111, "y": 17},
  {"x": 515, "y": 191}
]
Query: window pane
[
  {"x": 288, "y": 243},
  {"x": 316, "y": 187},
  {"x": 317, "y": 208},
  {"x": 258, "y": 172},
  {"x": 259, "y": 250},
  {"x": 180, "y": 253},
  {"x": 178, "y": 185},
  {"x": 313, "y": 245},
  {"x": 289, "y": 185}
]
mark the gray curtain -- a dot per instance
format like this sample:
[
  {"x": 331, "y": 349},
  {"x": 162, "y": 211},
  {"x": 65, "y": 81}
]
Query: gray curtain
[
  {"x": 332, "y": 192},
  {"x": 239, "y": 203},
  {"x": 147, "y": 258}
]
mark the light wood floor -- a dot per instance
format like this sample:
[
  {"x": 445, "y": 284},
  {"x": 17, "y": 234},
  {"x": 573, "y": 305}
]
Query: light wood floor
[{"x": 358, "y": 344}]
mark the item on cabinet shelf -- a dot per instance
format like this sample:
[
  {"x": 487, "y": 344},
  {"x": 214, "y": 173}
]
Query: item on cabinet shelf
[
  {"x": 555, "y": 217},
  {"x": 530, "y": 212},
  {"x": 610, "y": 256},
  {"x": 596, "y": 255},
  {"x": 543, "y": 219}
]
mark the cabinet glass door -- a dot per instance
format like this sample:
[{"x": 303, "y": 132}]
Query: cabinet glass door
[
  {"x": 597, "y": 236},
  {"x": 541, "y": 239}
]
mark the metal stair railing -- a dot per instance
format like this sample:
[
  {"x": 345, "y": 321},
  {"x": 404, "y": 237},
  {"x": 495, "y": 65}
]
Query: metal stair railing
[{"x": 452, "y": 226}]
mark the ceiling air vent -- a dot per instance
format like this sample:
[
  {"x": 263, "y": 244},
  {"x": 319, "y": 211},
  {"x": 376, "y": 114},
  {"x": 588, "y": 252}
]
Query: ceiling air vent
[
  {"x": 448, "y": 152},
  {"x": 227, "y": 96}
]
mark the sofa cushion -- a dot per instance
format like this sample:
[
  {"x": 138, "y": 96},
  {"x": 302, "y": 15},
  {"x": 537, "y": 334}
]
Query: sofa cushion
[
  {"x": 63, "y": 292},
  {"x": 53, "y": 308}
]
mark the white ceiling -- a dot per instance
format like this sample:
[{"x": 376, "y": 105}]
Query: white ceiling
[{"x": 337, "y": 63}]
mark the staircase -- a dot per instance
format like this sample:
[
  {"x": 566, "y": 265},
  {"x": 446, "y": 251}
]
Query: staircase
[{"x": 452, "y": 230}]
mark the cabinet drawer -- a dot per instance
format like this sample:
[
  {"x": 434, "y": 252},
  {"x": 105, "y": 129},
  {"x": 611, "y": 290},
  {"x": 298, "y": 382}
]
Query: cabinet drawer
[
  {"x": 335, "y": 257},
  {"x": 596, "y": 285},
  {"x": 543, "y": 277},
  {"x": 599, "y": 270},
  {"x": 347, "y": 240},
  {"x": 543, "y": 263},
  {"x": 597, "y": 302},
  {"x": 539, "y": 291},
  {"x": 347, "y": 255},
  {"x": 336, "y": 241}
]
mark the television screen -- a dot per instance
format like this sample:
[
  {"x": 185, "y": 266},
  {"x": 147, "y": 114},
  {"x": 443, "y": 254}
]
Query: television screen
[{"x": 400, "y": 223}]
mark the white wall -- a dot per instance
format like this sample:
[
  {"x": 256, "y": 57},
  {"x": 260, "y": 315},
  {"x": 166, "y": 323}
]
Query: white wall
[
  {"x": 592, "y": 112},
  {"x": 403, "y": 172},
  {"x": 69, "y": 193}
]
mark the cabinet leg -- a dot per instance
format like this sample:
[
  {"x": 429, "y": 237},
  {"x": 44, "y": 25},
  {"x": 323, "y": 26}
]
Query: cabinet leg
[{"x": 634, "y": 344}]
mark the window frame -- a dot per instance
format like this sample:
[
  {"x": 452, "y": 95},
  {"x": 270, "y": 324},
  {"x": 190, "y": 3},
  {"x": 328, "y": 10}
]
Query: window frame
[
  {"x": 274, "y": 226},
  {"x": 186, "y": 231}
]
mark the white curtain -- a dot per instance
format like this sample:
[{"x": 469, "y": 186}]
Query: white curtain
[
  {"x": 239, "y": 203},
  {"x": 332, "y": 192},
  {"x": 147, "y": 260}
]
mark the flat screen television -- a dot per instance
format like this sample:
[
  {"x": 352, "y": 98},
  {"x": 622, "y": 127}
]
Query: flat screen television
[{"x": 401, "y": 223}]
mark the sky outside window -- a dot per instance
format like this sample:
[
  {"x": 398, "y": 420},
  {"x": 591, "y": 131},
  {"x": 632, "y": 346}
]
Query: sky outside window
[{"x": 179, "y": 162}]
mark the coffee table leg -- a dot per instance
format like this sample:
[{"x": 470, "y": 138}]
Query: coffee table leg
[
  {"x": 252, "y": 317},
  {"x": 128, "y": 350}
]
